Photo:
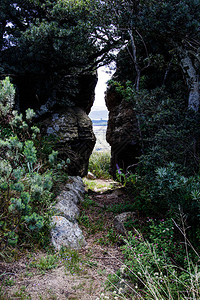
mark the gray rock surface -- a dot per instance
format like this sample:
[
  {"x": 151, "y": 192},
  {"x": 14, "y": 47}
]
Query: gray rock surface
[
  {"x": 69, "y": 195},
  {"x": 74, "y": 190},
  {"x": 68, "y": 209},
  {"x": 66, "y": 231},
  {"x": 75, "y": 183},
  {"x": 76, "y": 138},
  {"x": 120, "y": 219}
]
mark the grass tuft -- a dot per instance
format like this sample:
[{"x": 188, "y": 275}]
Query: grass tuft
[{"x": 99, "y": 164}]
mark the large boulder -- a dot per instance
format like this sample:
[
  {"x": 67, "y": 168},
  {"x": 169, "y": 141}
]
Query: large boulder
[
  {"x": 122, "y": 132},
  {"x": 75, "y": 137}
]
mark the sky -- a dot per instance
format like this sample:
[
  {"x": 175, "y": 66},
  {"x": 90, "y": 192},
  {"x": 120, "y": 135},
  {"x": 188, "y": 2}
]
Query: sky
[{"x": 104, "y": 74}]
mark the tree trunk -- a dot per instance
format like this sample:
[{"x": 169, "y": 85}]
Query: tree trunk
[
  {"x": 2, "y": 29},
  {"x": 192, "y": 78},
  {"x": 134, "y": 57}
]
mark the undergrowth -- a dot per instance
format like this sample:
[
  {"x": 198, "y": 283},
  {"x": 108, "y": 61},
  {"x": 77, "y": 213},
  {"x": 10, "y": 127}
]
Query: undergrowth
[
  {"x": 67, "y": 257},
  {"x": 99, "y": 164},
  {"x": 28, "y": 172},
  {"x": 148, "y": 271}
]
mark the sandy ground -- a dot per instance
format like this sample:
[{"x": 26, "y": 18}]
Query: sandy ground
[{"x": 59, "y": 283}]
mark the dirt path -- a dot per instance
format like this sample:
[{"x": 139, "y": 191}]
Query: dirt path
[{"x": 34, "y": 277}]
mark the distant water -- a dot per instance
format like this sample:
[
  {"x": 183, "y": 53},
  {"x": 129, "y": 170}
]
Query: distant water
[{"x": 101, "y": 114}]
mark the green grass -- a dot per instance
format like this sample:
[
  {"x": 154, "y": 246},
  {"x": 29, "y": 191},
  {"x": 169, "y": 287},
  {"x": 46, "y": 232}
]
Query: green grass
[
  {"x": 96, "y": 186},
  {"x": 121, "y": 207},
  {"x": 87, "y": 202},
  {"x": 92, "y": 227},
  {"x": 68, "y": 257},
  {"x": 99, "y": 164},
  {"x": 45, "y": 263}
]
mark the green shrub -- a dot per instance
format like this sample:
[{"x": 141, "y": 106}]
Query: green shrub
[
  {"x": 169, "y": 193},
  {"x": 166, "y": 128},
  {"x": 25, "y": 190},
  {"x": 99, "y": 164},
  {"x": 26, "y": 177},
  {"x": 7, "y": 95}
]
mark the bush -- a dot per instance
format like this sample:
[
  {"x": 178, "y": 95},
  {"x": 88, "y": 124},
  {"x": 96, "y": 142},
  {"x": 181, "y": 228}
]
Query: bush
[
  {"x": 156, "y": 266},
  {"x": 168, "y": 131},
  {"x": 26, "y": 179},
  {"x": 7, "y": 95},
  {"x": 99, "y": 164}
]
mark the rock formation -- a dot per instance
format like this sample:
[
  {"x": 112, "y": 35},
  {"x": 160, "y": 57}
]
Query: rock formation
[
  {"x": 76, "y": 139},
  {"x": 62, "y": 109},
  {"x": 122, "y": 132},
  {"x": 65, "y": 231},
  {"x": 44, "y": 93}
]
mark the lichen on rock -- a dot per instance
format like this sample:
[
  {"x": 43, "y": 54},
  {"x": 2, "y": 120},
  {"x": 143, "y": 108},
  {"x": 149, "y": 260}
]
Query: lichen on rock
[{"x": 65, "y": 230}]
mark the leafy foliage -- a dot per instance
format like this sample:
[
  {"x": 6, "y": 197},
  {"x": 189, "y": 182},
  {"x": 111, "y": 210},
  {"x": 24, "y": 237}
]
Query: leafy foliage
[
  {"x": 169, "y": 132},
  {"x": 25, "y": 180},
  {"x": 52, "y": 36},
  {"x": 7, "y": 93}
]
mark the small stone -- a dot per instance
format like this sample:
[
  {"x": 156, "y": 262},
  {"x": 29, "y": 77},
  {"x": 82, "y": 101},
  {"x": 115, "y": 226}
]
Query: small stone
[
  {"x": 120, "y": 219},
  {"x": 91, "y": 176}
]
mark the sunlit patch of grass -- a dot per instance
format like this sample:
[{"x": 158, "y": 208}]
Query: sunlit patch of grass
[{"x": 98, "y": 185}]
